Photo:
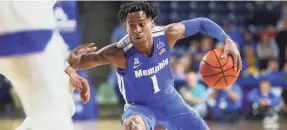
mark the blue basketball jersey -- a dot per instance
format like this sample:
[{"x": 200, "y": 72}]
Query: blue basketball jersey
[{"x": 145, "y": 78}]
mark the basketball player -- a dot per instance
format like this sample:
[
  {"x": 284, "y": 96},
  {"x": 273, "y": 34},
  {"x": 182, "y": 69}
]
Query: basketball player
[
  {"x": 142, "y": 61},
  {"x": 32, "y": 56}
]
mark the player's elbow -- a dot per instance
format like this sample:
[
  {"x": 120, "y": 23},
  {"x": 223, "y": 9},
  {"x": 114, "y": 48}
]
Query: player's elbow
[{"x": 205, "y": 20}]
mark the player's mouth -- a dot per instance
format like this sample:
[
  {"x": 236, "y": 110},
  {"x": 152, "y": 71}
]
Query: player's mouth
[{"x": 139, "y": 37}]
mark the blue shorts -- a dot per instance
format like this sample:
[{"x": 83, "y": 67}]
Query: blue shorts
[{"x": 173, "y": 113}]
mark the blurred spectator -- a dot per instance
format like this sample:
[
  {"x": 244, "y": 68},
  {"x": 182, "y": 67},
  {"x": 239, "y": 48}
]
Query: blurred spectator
[
  {"x": 284, "y": 102},
  {"x": 225, "y": 104},
  {"x": 264, "y": 102},
  {"x": 282, "y": 44},
  {"x": 179, "y": 71},
  {"x": 284, "y": 72},
  {"x": 235, "y": 35},
  {"x": 272, "y": 69},
  {"x": 281, "y": 22},
  {"x": 251, "y": 61},
  {"x": 266, "y": 49},
  {"x": 249, "y": 40},
  {"x": 194, "y": 94},
  {"x": 173, "y": 60},
  {"x": 206, "y": 44},
  {"x": 186, "y": 61}
]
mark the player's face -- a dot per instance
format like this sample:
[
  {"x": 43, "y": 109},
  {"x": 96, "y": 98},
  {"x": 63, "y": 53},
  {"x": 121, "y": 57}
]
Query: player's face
[
  {"x": 264, "y": 87},
  {"x": 139, "y": 27}
]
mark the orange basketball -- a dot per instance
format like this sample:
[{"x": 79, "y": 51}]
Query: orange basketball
[{"x": 218, "y": 72}]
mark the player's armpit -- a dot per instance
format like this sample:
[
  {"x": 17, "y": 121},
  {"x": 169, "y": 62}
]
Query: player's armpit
[
  {"x": 109, "y": 54},
  {"x": 174, "y": 32}
]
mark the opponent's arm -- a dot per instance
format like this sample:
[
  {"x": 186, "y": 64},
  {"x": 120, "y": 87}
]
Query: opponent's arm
[{"x": 109, "y": 54}]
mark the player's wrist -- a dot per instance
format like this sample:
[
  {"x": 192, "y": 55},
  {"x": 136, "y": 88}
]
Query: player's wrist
[
  {"x": 66, "y": 65},
  {"x": 68, "y": 69},
  {"x": 227, "y": 40}
]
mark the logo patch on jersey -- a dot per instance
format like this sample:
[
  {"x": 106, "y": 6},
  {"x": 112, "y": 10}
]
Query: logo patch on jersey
[
  {"x": 160, "y": 45},
  {"x": 137, "y": 63},
  {"x": 161, "y": 51}
]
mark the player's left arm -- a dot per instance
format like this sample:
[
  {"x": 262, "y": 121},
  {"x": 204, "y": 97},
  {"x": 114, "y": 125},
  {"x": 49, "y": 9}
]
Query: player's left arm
[{"x": 190, "y": 27}]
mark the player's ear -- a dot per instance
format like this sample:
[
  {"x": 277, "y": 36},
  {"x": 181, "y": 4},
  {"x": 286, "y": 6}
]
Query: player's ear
[
  {"x": 125, "y": 25},
  {"x": 153, "y": 24}
]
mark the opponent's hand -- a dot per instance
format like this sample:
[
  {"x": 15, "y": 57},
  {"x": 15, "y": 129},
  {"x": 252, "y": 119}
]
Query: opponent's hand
[
  {"x": 75, "y": 56},
  {"x": 81, "y": 85},
  {"x": 230, "y": 48}
]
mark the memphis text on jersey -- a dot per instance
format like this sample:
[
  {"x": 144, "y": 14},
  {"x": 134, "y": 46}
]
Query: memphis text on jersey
[{"x": 151, "y": 71}]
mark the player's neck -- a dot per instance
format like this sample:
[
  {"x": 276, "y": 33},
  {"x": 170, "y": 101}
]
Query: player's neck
[{"x": 146, "y": 49}]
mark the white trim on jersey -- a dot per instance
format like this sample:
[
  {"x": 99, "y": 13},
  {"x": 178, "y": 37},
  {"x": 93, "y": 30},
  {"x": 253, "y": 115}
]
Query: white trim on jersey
[
  {"x": 158, "y": 34},
  {"x": 157, "y": 28},
  {"x": 128, "y": 47},
  {"x": 124, "y": 41},
  {"x": 121, "y": 86}
]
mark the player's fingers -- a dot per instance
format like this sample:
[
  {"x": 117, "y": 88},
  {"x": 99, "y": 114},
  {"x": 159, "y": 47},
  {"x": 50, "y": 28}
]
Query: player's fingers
[
  {"x": 225, "y": 52},
  {"x": 134, "y": 126},
  {"x": 76, "y": 84},
  {"x": 91, "y": 49},
  {"x": 127, "y": 124},
  {"x": 85, "y": 94},
  {"x": 82, "y": 51},
  {"x": 78, "y": 51},
  {"x": 240, "y": 63},
  {"x": 87, "y": 44},
  {"x": 235, "y": 60}
]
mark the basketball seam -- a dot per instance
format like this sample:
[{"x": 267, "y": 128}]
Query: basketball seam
[
  {"x": 217, "y": 73},
  {"x": 205, "y": 62},
  {"x": 220, "y": 67},
  {"x": 223, "y": 77}
]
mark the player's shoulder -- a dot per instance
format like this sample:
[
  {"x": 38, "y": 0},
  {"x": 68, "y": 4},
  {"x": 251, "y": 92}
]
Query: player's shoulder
[
  {"x": 158, "y": 31},
  {"x": 173, "y": 27},
  {"x": 125, "y": 43}
]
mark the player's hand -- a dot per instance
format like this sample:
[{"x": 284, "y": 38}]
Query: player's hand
[
  {"x": 81, "y": 85},
  {"x": 230, "y": 48},
  {"x": 76, "y": 54}
]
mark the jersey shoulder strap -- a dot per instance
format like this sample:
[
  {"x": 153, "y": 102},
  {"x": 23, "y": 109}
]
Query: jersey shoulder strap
[{"x": 125, "y": 43}]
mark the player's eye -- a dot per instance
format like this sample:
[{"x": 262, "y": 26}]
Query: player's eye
[
  {"x": 142, "y": 24},
  {"x": 132, "y": 25}
]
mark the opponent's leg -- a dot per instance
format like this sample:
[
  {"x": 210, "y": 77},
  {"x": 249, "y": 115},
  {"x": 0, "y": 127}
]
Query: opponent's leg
[
  {"x": 38, "y": 80},
  {"x": 138, "y": 117},
  {"x": 27, "y": 123}
]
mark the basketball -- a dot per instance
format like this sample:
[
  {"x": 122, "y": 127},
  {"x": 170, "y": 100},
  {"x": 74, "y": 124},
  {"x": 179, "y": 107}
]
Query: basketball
[{"x": 218, "y": 72}]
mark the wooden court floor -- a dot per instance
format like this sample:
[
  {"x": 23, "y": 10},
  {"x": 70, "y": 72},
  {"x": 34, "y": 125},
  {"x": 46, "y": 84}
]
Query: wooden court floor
[{"x": 6, "y": 124}]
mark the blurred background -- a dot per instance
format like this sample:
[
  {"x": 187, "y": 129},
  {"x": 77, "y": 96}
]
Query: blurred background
[{"x": 258, "y": 28}]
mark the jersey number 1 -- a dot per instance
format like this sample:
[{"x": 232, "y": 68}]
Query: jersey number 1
[{"x": 155, "y": 84}]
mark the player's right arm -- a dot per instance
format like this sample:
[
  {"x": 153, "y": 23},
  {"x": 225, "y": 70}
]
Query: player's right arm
[{"x": 79, "y": 59}]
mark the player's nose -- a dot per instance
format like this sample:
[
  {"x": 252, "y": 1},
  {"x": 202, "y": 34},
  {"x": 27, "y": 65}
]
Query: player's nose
[{"x": 138, "y": 29}]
